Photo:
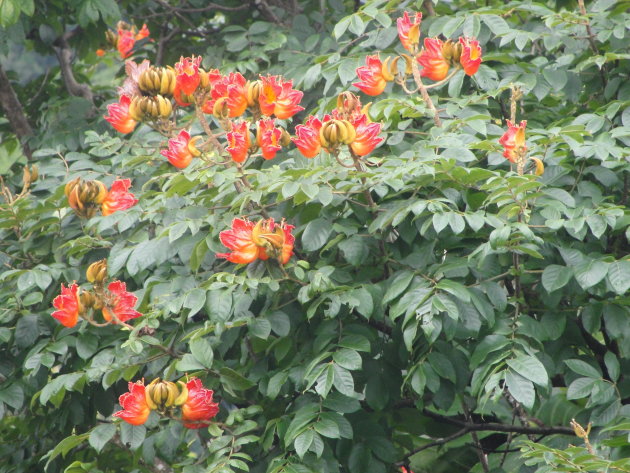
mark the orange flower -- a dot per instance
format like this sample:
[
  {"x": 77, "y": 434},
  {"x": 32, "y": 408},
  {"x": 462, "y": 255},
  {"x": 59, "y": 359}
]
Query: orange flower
[
  {"x": 119, "y": 304},
  {"x": 409, "y": 30},
  {"x": 68, "y": 304},
  {"x": 118, "y": 198},
  {"x": 277, "y": 97},
  {"x": 434, "y": 64},
  {"x": 135, "y": 408},
  {"x": 181, "y": 150},
  {"x": 231, "y": 89},
  {"x": 367, "y": 135},
  {"x": 471, "y": 55},
  {"x": 143, "y": 33},
  {"x": 187, "y": 70},
  {"x": 238, "y": 141},
  {"x": 268, "y": 138},
  {"x": 371, "y": 75},
  {"x": 199, "y": 408},
  {"x": 307, "y": 140},
  {"x": 239, "y": 240},
  {"x": 118, "y": 115},
  {"x": 100, "y": 52},
  {"x": 513, "y": 141},
  {"x": 125, "y": 43}
]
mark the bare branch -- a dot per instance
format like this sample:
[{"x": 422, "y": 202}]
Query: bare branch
[
  {"x": 14, "y": 111},
  {"x": 64, "y": 55}
]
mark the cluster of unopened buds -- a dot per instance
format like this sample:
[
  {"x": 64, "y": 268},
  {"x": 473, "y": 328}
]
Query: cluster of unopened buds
[
  {"x": 193, "y": 401},
  {"x": 87, "y": 197},
  {"x": 113, "y": 300},
  {"x": 433, "y": 61},
  {"x": 124, "y": 38}
]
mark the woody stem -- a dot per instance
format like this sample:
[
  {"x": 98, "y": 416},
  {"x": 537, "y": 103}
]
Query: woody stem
[
  {"x": 424, "y": 93},
  {"x": 359, "y": 167},
  {"x": 446, "y": 79}
]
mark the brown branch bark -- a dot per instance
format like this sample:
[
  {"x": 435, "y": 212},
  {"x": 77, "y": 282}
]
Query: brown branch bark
[
  {"x": 14, "y": 112},
  {"x": 162, "y": 42},
  {"x": 64, "y": 56}
]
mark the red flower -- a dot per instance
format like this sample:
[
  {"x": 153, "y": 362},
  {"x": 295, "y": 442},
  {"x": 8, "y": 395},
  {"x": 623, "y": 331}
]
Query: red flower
[
  {"x": 307, "y": 140},
  {"x": 513, "y": 141},
  {"x": 181, "y": 150},
  {"x": 118, "y": 115},
  {"x": 239, "y": 240},
  {"x": 367, "y": 136},
  {"x": 119, "y": 304},
  {"x": 434, "y": 64},
  {"x": 135, "y": 408},
  {"x": 371, "y": 75},
  {"x": 100, "y": 52},
  {"x": 232, "y": 90},
  {"x": 409, "y": 30},
  {"x": 238, "y": 141},
  {"x": 68, "y": 304},
  {"x": 268, "y": 138},
  {"x": 278, "y": 97},
  {"x": 143, "y": 33},
  {"x": 199, "y": 408},
  {"x": 404, "y": 470},
  {"x": 471, "y": 55},
  {"x": 125, "y": 43},
  {"x": 118, "y": 197},
  {"x": 187, "y": 70}
]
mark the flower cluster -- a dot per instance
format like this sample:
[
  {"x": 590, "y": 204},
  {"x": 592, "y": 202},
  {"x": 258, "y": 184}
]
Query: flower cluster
[
  {"x": 114, "y": 301},
  {"x": 193, "y": 400},
  {"x": 250, "y": 241},
  {"x": 515, "y": 147},
  {"x": 86, "y": 197},
  {"x": 348, "y": 124},
  {"x": 433, "y": 61},
  {"x": 124, "y": 39}
]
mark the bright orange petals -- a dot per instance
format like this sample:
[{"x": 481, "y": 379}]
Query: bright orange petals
[
  {"x": 118, "y": 115},
  {"x": 238, "y": 141},
  {"x": 471, "y": 55},
  {"x": 143, "y": 33},
  {"x": 135, "y": 408},
  {"x": 100, "y": 52},
  {"x": 68, "y": 304},
  {"x": 239, "y": 240},
  {"x": 367, "y": 136},
  {"x": 199, "y": 408},
  {"x": 513, "y": 141},
  {"x": 307, "y": 139},
  {"x": 372, "y": 80},
  {"x": 277, "y": 97},
  {"x": 268, "y": 138},
  {"x": 187, "y": 70},
  {"x": 118, "y": 198},
  {"x": 119, "y": 304},
  {"x": 125, "y": 43},
  {"x": 285, "y": 251},
  {"x": 181, "y": 150},
  {"x": 234, "y": 88},
  {"x": 262, "y": 240},
  {"x": 409, "y": 30},
  {"x": 434, "y": 64}
]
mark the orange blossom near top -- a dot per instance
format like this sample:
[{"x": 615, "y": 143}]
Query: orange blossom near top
[
  {"x": 135, "y": 408},
  {"x": 238, "y": 141},
  {"x": 307, "y": 139},
  {"x": 198, "y": 408},
  {"x": 268, "y": 138},
  {"x": 119, "y": 304},
  {"x": 277, "y": 97},
  {"x": 187, "y": 73},
  {"x": 118, "y": 115},
  {"x": 181, "y": 150},
  {"x": 231, "y": 88},
  {"x": 371, "y": 75},
  {"x": 143, "y": 33},
  {"x": 68, "y": 304},
  {"x": 125, "y": 43},
  {"x": 434, "y": 64},
  {"x": 471, "y": 55},
  {"x": 513, "y": 141},
  {"x": 239, "y": 240},
  {"x": 409, "y": 30},
  {"x": 118, "y": 197},
  {"x": 367, "y": 135}
]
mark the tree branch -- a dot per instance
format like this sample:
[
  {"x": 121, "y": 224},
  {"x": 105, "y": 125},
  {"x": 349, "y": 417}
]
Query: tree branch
[
  {"x": 15, "y": 113},
  {"x": 64, "y": 56}
]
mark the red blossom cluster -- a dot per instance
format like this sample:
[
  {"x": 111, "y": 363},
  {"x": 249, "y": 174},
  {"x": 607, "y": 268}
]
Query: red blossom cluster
[
  {"x": 124, "y": 39},
  {"x": 86, "y": 197}
]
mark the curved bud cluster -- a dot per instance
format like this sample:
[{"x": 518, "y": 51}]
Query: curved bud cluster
[
  {"x": 97, "y": 272},
  {"x": 158, "y": 80},
  {"x": 150, "y": 108},
  {"x": 85, "y": 197},
  {"x": 161, "y": 395}
]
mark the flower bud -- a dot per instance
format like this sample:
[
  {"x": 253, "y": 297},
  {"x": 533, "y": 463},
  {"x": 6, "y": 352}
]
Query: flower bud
[
  {"x": 347, "y": 103},
  {"x": 97, "y": 272},
  {"x": 336, "y": 132},
  {"x": 157, "y": 80},
  {"x": 253, "y": 88},
  {"x": 452, "y": 51},
  {"x": 221, "y": 108},
  {"x": 150, "y": 108},
  {"x": 285, "y": 138},
  {"x": 162, "y": 395},
  {"x": 112, "y": 38},
  {"x": 85, "y": 197},
  {"x": 87, "y": 299}
]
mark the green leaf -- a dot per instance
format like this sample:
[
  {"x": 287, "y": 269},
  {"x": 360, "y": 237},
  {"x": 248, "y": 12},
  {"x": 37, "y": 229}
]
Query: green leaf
[
  {"x": 316, "y": 234},
  {"x": 260, "y": 328},
  {"x": 521, "y": 389},
  {"x": 303, "y": 442},
  {"x": 235, "y": 380},
  {"x": 9, "y": 12},
  {"x": 398, "y": 284},
  {"x": 590, "y": 272},
  {"x": 619, "y": 276},
  {"x": 612, "y": 365},
  {"x": 580, "y": 388},
  {"x": 555, "y": 277},
  {"x": 348, "y": 359},
  {"x": 132, "y": 435},
  {"x": 454, "y": 288},
  {"x": 201, "y": 349},
  {"x": 583, "y": 368},
  {"x": 442, "y": 366},
  {"x": 327, "y": 428},
  {"x": 100, "y": 435},
  {"x": 530, "y": 368},
  {"x": 343, "y": 381},
  {"x": 65, "y": 446}
]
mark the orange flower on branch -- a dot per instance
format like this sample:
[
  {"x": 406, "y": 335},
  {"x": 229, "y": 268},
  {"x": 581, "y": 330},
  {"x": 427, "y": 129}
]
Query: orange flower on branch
[
  {"x": 119, "y": 304},
  {"x": 231, "y": 92},
  {"x": 470, "y": 58},
  {"x": 135, "y": 409},
  {"x": 118, "y": 198},
  {"x": 68, "y": 305},
  {"x": 513, "y": 141},
  {"x": 187, "y": 73},
  {"x": 268, "y": 138},
  {"x": 198, "y": 408},
  {"x": 372, "y": 75},
  {"x": 143, "y": 33},
  {"x": 434, "y": 65},
  {"x": 409, "y": 30},
  {"x": 181, "y": 150},
  {"x": 119, "y": 117},
  {"x": 125, "y": 43},
  {"x": 277, "y": 97},
  {"x": 307, "y": 139},
  {"x": 366, "y": 135},
  {"x": 238, "y": 141}
]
